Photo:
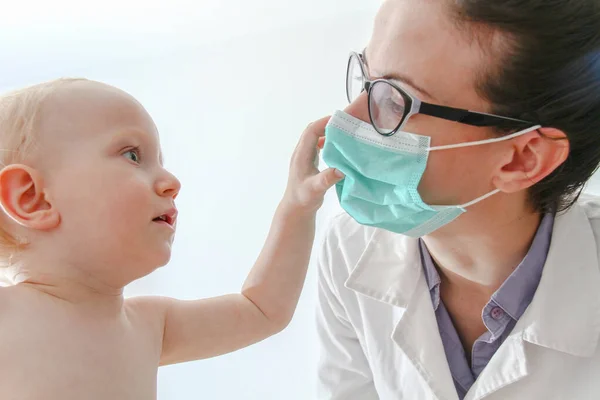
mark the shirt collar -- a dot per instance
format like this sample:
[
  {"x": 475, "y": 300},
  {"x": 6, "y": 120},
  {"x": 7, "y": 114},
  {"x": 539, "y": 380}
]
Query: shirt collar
[
  {"x": 516, "y": 293},
  {"x": 431, "y": 275}
]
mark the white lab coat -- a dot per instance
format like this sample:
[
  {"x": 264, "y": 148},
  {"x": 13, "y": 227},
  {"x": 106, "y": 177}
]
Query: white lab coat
[{"x": 379, "y": 334}]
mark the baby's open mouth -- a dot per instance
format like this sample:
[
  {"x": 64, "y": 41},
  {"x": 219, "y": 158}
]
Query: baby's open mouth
[
  {"x": 164, "y": 218},
  {"x": 169, "y": 217}
]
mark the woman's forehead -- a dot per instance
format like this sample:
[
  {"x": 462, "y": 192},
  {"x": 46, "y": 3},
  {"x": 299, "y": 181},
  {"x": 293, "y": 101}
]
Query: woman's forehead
[{"x": 417, "y": 39}]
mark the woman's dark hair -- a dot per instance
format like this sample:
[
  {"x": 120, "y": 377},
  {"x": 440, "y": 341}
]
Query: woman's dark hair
[{"x": 544, "y": 67}]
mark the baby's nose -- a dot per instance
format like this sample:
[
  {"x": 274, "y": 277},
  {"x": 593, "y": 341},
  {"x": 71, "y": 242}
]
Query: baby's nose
[{"x": 168, "y": 186}]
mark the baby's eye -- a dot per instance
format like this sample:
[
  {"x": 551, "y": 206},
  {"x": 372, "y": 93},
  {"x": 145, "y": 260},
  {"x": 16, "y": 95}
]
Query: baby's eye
[{"x": 133, "y": 155}]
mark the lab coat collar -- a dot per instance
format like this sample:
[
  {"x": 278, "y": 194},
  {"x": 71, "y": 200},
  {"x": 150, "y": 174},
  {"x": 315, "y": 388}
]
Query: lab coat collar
[
  {"x": 388, "y": 269},
  {"x": 564, "y": 314}
]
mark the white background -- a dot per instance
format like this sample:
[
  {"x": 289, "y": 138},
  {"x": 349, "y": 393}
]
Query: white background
[{"x": 230, "y": 85}]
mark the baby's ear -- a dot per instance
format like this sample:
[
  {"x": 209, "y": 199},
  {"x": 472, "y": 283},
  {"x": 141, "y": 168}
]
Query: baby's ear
[{"x": 22, "y": 198}]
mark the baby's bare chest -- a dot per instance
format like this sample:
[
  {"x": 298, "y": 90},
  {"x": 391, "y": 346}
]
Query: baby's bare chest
[{"x": 72, "y": 358}]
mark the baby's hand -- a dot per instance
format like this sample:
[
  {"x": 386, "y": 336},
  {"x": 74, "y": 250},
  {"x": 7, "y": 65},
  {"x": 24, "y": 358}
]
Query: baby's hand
[{"x": 306, "y": 185}]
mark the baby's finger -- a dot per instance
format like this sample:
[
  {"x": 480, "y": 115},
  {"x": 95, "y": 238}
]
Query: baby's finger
[
  {"x": 321, "y": 142},
  {"x": 310, "y": 137},
  {"x": 304, "y": 156},
  {"x": 321, "y": 182}
]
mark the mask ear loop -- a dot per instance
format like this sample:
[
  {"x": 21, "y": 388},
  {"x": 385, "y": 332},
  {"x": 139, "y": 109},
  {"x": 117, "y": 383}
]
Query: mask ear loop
[
  {"x": 480, "y": 142},
  {"x": 477, "y": 200}
]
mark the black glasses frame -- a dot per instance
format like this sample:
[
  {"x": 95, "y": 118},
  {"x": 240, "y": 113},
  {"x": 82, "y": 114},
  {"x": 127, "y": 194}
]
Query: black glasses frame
[{"x": 416, "y": 106}]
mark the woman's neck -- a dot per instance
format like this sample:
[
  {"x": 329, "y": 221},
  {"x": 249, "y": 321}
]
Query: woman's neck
[{"x": 484, "y": 246}]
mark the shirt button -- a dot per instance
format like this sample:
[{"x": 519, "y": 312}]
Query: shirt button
[{"x": 497, "y": 313}]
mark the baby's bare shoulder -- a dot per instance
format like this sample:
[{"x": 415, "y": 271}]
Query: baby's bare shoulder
[
  {"x": 21, "y": 313},
  {"x": 147, "y": 312},
  {"x": 104, "y": 356}
]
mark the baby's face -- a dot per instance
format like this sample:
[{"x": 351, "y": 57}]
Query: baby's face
[{"x": 101, "y": 162}]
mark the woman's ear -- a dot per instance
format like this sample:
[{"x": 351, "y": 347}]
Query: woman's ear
[
  {"x": 533, "y": 157},
  {"x": 23, "y": 199}
]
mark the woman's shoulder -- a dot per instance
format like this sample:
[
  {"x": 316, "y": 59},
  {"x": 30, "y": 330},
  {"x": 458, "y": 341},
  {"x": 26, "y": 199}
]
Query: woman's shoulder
[
  {"x": 591, "y": 206},
  {"x": 346, "y": 241},
  {"x": 343, "y": 232}
]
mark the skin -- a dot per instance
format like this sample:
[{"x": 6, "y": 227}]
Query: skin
[
  {"x": 85, "y": 201},
  {"x": 478, "y": 251}
]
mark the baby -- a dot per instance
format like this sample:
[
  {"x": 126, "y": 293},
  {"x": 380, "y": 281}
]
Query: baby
[{"x": 88, "y": 208}]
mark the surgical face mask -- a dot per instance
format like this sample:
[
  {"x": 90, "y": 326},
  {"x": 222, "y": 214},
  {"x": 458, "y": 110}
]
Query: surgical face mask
[{"x": 382, "y": 174}]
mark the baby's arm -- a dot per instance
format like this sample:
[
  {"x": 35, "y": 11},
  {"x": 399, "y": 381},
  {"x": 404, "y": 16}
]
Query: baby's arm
[{"x": 205, "y": 328}]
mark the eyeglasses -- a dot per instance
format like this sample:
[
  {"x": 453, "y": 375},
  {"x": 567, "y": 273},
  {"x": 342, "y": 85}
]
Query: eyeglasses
[{"x": 390, "y": 106}]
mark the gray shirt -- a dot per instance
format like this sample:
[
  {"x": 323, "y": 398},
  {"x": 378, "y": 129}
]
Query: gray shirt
[{"x": 499, "y": 315}]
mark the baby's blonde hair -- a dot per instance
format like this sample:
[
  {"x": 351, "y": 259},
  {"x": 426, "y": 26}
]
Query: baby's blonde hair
[{"x": 19, "y": 125}]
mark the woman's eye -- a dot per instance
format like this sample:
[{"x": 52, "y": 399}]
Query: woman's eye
[
  {"x": 395, "y": 106},
  {"x": 133, "y": 155}
]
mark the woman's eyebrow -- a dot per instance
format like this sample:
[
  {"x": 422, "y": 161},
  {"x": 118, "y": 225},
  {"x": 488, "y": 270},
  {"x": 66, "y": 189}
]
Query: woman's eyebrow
[{"x": 400, "y": 78}]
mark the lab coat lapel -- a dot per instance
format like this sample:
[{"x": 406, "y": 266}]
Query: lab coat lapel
[
  {"x": 507, "y": 366},
  {"x": 564, "y": 314},
  {"x": 390, "y": 271},
  {"x": 417, "y": 335}
]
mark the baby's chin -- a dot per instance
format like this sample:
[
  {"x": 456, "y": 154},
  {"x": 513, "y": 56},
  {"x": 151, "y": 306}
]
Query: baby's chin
[{"x": 137, "y": 269}]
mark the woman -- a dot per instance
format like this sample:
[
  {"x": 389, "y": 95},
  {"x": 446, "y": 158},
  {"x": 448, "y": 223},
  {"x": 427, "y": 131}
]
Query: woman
[{"x": 494, "y": 294}]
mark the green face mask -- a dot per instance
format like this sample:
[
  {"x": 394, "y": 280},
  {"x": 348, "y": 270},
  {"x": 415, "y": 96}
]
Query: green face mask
[{"x": 382, "y": 174}]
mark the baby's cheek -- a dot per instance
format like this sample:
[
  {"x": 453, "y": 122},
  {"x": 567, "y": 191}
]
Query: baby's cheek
[{"x": 135, "y": 202}]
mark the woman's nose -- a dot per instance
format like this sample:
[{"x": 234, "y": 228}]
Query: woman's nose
[{"x": 359, "y": 108}]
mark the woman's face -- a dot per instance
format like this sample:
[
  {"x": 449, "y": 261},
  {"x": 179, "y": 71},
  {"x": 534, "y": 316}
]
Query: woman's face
[{"x": 416, "y": 42}]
